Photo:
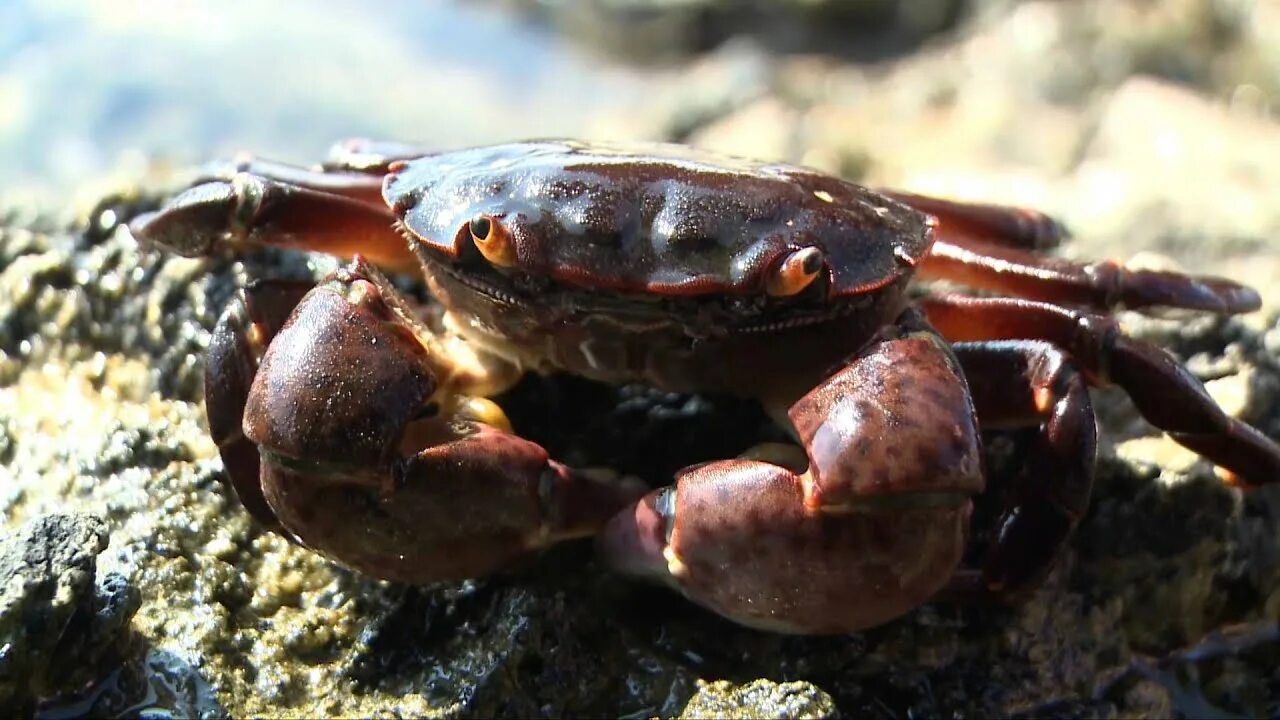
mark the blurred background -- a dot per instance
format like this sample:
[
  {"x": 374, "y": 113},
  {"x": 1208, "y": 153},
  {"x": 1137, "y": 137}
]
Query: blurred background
[{"x": 1111, "y": 114}]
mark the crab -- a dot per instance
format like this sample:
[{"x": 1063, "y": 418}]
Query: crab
[{"x": 361, "y": 425}]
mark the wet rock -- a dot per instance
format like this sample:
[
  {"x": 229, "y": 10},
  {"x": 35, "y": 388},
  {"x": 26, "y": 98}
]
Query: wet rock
[
  {"x": 1232, "y": 668},
  {"x": 759, "y": 699},
  {"x": 59, "y": 617},
  {"x": 151, "y": 683}
]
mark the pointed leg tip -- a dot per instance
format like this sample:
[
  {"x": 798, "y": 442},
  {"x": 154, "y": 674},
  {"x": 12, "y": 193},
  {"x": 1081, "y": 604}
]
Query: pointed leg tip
[
  {"x": 1230, "y": 479},
  {"x": 190, "y": 224},
  {"x": 140, "y": 225},
  {"x": 1224, "y": 296},
  {"x": 1244, "y": 300}
]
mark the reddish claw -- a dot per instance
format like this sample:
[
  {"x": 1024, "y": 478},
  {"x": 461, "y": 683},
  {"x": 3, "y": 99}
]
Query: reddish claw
[
  {"x": 873, "y": 527},
  {"x": 373, "y": 453}
]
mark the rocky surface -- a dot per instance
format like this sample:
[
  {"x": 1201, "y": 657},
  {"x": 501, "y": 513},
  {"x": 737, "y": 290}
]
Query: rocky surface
[
  {"x": 759, "y": 699},
  {"x": 59, "y": 619},
  {"x": 1156, "y": 139}
]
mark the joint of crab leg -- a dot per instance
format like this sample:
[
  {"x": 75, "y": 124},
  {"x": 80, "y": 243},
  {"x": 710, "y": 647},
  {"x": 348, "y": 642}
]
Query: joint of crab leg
[
  {"x": 282, "y": 206},
  {"x": 203, "y": 217},
  {"x": 1104, "y": 285},
  {"x": 1031, "y": 384},
  {"x": 1117, "y": 284},
  {"x": 1162, "y": 389},
  {"x": 250, "y": 191}
]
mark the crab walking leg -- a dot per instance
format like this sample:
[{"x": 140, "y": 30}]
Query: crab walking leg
[
  {"x": 1019, "y": 384},
  {"x": 1103, "y": 285},
  {"x": 348, "y": 182},
  {"x": 253, "y": 209},
  {"x": 874, "y": 527},
  {"x": 379, "y": 449},
  {"x": 961, "y": 222},
  {"x": 1164, "y": 392}
]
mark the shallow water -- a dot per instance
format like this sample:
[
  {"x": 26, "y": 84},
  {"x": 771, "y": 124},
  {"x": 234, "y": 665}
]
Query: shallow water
[{"x": 83, "y": 83}]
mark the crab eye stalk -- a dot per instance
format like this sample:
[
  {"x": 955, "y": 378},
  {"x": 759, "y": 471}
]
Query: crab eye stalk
[
  {"x": 492, "y": 240},
  {"x": 795, "y": 273}
]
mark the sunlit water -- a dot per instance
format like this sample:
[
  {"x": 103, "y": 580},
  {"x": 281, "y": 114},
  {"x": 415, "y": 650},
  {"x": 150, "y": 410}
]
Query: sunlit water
[{"x": 82, "y": 83}]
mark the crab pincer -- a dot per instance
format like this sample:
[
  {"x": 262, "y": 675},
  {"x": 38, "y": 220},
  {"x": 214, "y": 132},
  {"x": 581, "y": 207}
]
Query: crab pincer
[
  {"x": 873, "y": 526},
  {"x": 373, "y": 449}
]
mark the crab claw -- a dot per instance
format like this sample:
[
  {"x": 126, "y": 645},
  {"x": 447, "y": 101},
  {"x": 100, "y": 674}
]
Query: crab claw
[
  {"x": 370, "y": 456},
  {"x": 874, "y": 527}
]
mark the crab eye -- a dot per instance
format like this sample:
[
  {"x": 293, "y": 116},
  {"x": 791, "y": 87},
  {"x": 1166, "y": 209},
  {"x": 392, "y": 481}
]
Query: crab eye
[
  {"x": 795, "y": 273},
  {"x": 492, "y": 240}
]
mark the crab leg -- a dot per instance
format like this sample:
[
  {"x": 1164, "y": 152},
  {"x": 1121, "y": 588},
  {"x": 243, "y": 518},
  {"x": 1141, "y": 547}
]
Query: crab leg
[
  {"x": 1104, "y": 285},
  {"x": 961, "y": 222},
  {"x": 379, "y": 449},
  {"x": 296, "y": 208},
  {"x": 1025, "y": 383},
  {"x": 873, "y": 527},
  {"x": 342, "y": 181},
  {"x": 1163, "y": 391}
]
